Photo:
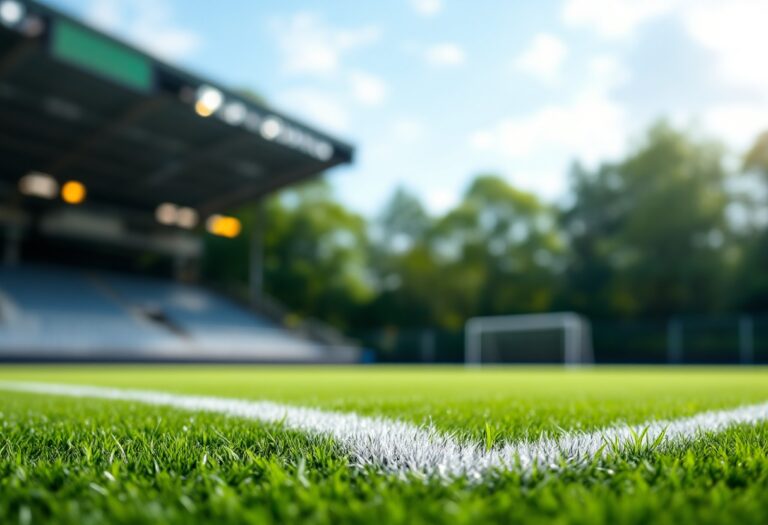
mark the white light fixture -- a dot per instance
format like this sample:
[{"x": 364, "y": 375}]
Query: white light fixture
[
  {"x": 209, "y": 99},
  {"x": 39, "y": 184},
  {"x": 171, "y": 214},
  {"x": 11, "y": 12},
  {"x": 167, "y": 213},
  {"x": 234, "y": 113},
  {"x": 271, "y": 127},
  {"x": 186, "y": 218},
  {"x": 324, "y": 151}
]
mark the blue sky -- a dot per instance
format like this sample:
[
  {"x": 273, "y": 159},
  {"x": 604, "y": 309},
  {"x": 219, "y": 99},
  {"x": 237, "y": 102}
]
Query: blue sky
[{"x": 433, "y": 92}]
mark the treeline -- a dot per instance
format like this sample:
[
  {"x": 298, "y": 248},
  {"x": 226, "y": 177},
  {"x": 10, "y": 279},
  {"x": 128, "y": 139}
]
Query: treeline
[{"x": 676, "y": 227}]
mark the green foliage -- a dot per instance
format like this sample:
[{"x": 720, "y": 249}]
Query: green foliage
[
  {"x": 648, "y": 236},
  {"x": 496, "y": 252},
  {"x": 751, "y": 286},
  {"x": 502, "y": 251},
  {"x": 757, "y": 156},
  {"x": 314, "y": 257},
  {"x": 313, "y": 253}
]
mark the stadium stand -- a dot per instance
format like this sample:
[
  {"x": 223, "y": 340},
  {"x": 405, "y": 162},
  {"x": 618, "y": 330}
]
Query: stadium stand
[
  {"x": 49, "y": 312},
  {"x": 108, "y": 155}
]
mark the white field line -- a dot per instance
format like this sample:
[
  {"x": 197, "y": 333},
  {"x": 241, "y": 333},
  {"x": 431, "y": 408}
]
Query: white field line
[{"x": 404, "y": 448}]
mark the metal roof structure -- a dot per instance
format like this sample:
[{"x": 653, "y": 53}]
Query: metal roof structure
[{"x": 78, "y": 104}]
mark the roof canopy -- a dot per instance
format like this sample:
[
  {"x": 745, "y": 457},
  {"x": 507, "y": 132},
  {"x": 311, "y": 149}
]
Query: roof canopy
[{"x": 78, "y": 104}]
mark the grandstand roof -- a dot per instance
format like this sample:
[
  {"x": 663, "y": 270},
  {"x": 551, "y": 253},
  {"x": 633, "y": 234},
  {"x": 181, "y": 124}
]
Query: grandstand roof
[{"x": 78, "y": 104}]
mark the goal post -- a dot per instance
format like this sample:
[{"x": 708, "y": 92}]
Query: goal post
[{"x": 575, "y": 344}]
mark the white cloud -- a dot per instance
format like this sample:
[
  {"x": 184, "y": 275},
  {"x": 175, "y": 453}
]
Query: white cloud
[
  {"x": 613, "y": 18},
  {"x": 310, "y": 46},
  {"x": 148, "y": 24},
  {"x": 732, "y": 31},
  {"x": 482, "y": 140},
  {"x": 591, "y": 127},
  {"x": 738, "y": 124},
  {"x": 439, "y": 201},
  {"x": 446, "y": 54},
  {"x": 735, "y": 32},
  {"x": 605, "y": 73},
  {"x": 408, "y": 129},
  {"x": 318, "y": 107},
  {"x": 543, "y": 58},
  {"x": 367, "y": 89},
  {"x": 104, "y": 13},
  {"x": 427, "y": 7}
]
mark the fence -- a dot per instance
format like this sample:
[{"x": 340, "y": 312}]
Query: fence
[{"x": 724, "y": 339}]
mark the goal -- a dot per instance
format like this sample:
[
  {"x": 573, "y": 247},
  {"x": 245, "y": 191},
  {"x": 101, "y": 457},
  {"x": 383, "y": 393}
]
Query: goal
[{"x": 563, "y": 337}]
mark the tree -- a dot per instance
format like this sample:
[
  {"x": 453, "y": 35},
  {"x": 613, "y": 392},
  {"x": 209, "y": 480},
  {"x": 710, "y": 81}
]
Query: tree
[
  {"x": 757, "y": 157},
  {"x": 314, "y": 254},
  {"x": 401, "y": 265},
  {"x": 648, "y": 235},
  {"x": 752, "y": 285},
  {"x": 498, "y": 253}
]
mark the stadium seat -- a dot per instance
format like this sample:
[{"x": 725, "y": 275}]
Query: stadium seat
[{"x": 48, "y": 310}]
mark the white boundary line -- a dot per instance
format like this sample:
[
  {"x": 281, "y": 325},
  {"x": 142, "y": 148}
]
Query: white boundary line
[{"x": 404, "y": 448}]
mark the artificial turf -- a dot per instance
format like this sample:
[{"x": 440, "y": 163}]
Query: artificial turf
[{"x": 68, "y": 460}]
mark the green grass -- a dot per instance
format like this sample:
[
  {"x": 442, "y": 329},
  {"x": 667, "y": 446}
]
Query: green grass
[{"x": 68, "y": 460}]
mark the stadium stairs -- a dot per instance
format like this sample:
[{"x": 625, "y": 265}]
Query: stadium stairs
[{"x": 50, "y": 313}]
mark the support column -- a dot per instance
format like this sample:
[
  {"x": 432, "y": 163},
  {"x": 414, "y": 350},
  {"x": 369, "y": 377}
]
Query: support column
[
  {"x": 472, "y": 344},
  {"x": 256, "y": 256},
  {"x": 428, "y": 345},
  {"x": 12, "y": 247},
  {"x": 746, "y": 340},
  {"x": 674, "y": 342}
]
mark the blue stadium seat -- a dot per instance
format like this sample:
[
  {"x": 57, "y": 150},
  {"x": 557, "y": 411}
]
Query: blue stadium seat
[
  {"x": 96, "y": 314},
  {"x": 53, "y": 309}
]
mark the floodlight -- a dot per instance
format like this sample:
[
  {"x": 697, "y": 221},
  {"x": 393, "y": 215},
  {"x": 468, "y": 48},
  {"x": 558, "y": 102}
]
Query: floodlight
[
  {"x": 73, "y": 192},
  {"x": 39, "y": 184},
  {"x": 271, "y": 127},
  {"x": 323, "y": 151},
  {"x": 186, "y": 218},
  {"x": 209, "y": 99},
  {"x": 11, "y": 12},
  {"x": 223, "y": 226},
  {"x": 167, "y": 213},
  {"x": 234, "y": 113}
]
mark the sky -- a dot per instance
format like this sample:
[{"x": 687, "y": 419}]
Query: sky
[{"x": 434, "y": 92}]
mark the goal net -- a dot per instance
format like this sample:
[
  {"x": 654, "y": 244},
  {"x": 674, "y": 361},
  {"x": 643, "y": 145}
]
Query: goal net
[{"x": 531, "y": 338}]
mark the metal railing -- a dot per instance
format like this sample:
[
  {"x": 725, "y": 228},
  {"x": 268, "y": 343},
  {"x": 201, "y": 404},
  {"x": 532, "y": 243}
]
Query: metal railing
[
  {"x": 276, "y": 312},
  {"x": 716, "y": 339}
]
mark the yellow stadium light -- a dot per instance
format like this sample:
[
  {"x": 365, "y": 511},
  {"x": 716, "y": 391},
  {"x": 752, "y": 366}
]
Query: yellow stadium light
[
  {"x": 39, "y": 184},
  {"x": 209, "y": 99},
  {"x": 223, "y": 226},
  {"x": 73, "y": 192}
]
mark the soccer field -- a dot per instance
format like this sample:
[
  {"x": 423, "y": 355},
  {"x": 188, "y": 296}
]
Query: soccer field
[{"x": 388, "y": 444}]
